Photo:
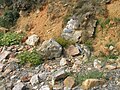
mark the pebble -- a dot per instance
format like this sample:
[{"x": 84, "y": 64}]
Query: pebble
[{"x": 63, "y": 61}]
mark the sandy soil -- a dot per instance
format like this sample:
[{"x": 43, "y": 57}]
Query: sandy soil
[{"x": 41, "y": 25}]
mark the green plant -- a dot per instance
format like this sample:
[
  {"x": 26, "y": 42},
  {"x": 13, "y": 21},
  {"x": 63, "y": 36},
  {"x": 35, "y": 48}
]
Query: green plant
[
  {"x": 109, "y": 44},
  {"x": 117, "y": 19},
  {"x": 10, "y": 38},
  {"x": 9, "y": 18},
  {"x": 66, "y": 19},
  {"x": 110, "y": 56},
  {"x": 103, "y": 22},
  {"x": 30, "y": 57},
  {"x": 63, "y": 42},
  {"x": 88, "y": 43},
  {"x": 82, "y": 77}
]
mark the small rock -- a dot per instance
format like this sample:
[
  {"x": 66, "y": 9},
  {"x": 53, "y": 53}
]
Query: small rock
[
  {"x": 67, "y": 36},
  {"x": 13, "y": 77},
  {"x": 77, "y": 35},
  {"x": 35, "y": 88},
  {"x": 67, "y": 88},
  {"x": 1, "y": 67},
  {"x": 35, "y": 80},
  {"x": 89, "y": 83},
  {"x": 73, "y": 51},
  {"x": 2, "y": 87},
  {"x": 110, "y": 67},
  {"x": 67, "y": 30},
  {"x": 32, "y": 40},
  {"x": 9, "y": 85},
  {"x": 87, "y": 51},
  {"x": 69, "y": 82},
  {"x": 59, "y": 74},
  {"x": 118, "y": 66},
  {"x": 42, "y": 76},
  {"x": 25, "y": 78},
  {"x": 111, "y": 48},
  {"x": 97, "y": 64},
  {"x": 6, "y": 72},
  {"x": 76, "y": 64},
  {"x": 57, "y": 87},
  {"x": 12, "y": 66},
  {"x": 63, "y": 62},
  {"x": 72, "y": 23},
  {"x": 4, "y": 54},
  {"x": 19, "y": 86},
  {"x": 45, "y": 87},
  {"x": 77, "y": 88}
]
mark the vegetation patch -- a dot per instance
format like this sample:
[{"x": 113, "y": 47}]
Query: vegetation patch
[
  {"x": 30, "y": 57},
  {"x": 88, "y": 43},
  {"x": 63, "y": 42},
  {"x": 90, "y": 75},
  {"x": 10, "y": 38},
  {"x": 9, "y": 18}
]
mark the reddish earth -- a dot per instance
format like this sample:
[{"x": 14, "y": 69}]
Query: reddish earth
[
  {"x": 114, "y": 8},
  {"x": 41, "y": 24},
  {"x": 111, "y": 35}
]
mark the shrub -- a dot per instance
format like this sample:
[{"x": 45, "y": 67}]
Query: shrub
[
  {"x": 94, "y": 75},
  {"x": 63, "y": 42},
  {"x": 10, "y": 38},
  {"x": 30, "y": 57},
  {"x": 117, "y": 20},
  {"x": 103, "y": 22},
  {"x": 9, "y": 18}
]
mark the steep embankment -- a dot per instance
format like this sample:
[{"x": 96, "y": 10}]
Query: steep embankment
[
  {"x": 41, "y": 23},
  {"x": 110, "y": 34}
]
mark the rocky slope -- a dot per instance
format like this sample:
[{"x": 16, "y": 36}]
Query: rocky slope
[{"x": 68, "y": 45}]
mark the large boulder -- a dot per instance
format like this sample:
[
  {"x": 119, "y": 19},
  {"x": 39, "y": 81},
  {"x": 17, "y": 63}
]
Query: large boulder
[
  {"x": 50, "y": 49},
  {"x": 71, "y": 26}
]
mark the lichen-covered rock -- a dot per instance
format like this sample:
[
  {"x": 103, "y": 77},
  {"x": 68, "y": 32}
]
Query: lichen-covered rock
[{"x": 50, "y": 49}]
